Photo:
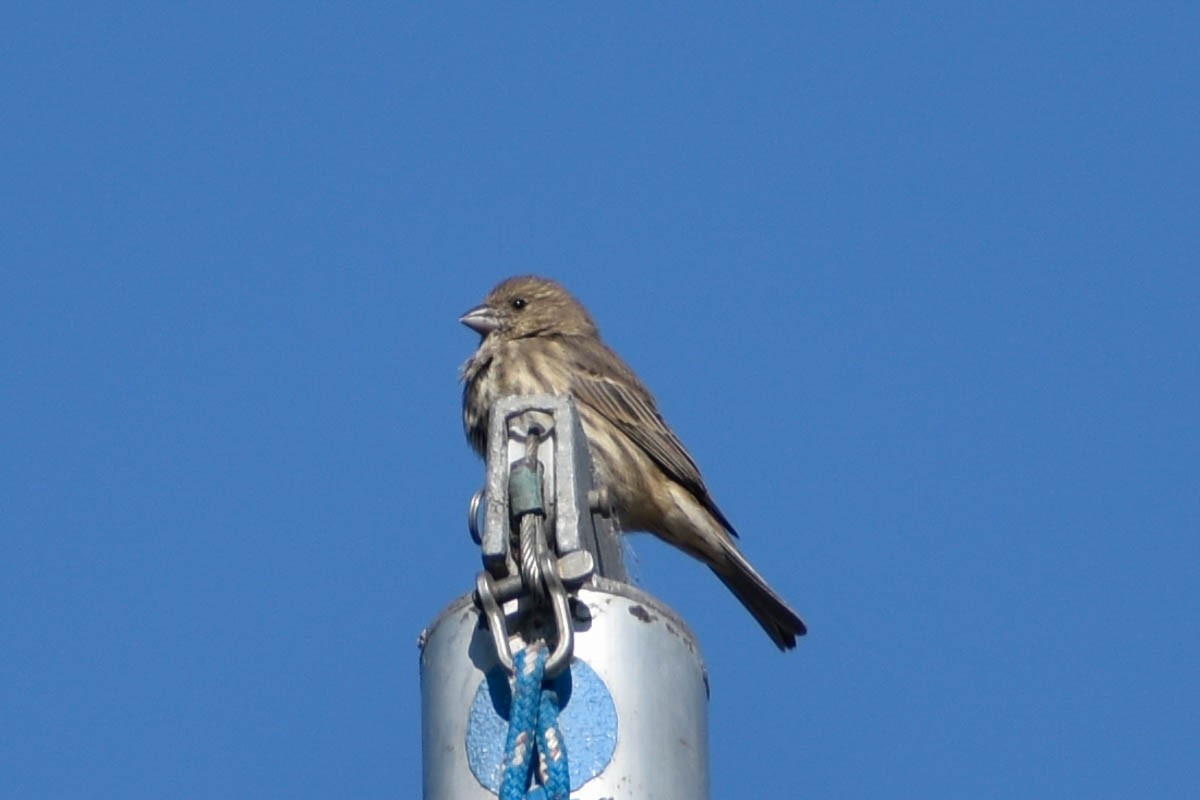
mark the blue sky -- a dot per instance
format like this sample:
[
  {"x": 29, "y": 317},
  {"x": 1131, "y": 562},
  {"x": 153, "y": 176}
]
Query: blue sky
[{"x": 918, "y": 287}]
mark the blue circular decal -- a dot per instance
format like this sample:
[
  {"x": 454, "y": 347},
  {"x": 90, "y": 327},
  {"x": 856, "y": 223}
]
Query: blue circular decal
[{"x": 587, "y": 718}]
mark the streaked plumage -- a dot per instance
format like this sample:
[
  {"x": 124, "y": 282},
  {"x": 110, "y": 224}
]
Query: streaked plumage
[{"x": 537, "y": 338}]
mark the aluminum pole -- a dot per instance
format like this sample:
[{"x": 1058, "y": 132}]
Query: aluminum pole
[{"x": 634, "y": 699}]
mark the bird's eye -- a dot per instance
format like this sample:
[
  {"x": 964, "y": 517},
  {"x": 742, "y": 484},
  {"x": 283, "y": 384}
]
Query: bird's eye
[{"x": 518, "y": 303}]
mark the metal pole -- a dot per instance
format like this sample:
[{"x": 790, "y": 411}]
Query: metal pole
[{"x": 633, "y": 700}]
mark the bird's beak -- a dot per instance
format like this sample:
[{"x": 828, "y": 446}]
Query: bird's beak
[{"x": 480, "y": 319}]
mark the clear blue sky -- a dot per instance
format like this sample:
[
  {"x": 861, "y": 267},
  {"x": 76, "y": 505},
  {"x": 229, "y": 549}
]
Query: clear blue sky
[{"x": 918, "y": 287}]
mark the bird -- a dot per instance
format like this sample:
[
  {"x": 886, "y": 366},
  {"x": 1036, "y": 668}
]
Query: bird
[{"x": 535, "y": 338}]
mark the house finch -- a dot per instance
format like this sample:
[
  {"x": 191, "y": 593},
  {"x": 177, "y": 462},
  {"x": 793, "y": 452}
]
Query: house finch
[{"x": 537, "y": 338}]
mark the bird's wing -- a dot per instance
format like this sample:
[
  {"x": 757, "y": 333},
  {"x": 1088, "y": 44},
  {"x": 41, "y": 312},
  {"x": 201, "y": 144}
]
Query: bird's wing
[{"x": 602, "y": 381}]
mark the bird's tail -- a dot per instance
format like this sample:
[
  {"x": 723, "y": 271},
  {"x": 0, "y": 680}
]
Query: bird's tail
[{"x": 780, "y": 622}]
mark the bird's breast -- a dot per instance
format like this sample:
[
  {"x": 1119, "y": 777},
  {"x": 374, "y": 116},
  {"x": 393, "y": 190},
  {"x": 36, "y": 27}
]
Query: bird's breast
[
  {"x": 529, "y": 366},
  {"x": 536, "y": 365}
]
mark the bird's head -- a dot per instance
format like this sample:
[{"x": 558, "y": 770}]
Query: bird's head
[{"x": 529, "y": 306}]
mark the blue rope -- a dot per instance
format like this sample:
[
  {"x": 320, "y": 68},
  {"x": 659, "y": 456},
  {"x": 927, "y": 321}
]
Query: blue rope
[
  {"x": 552, "y": 750},
  {"x": 533, "y": 722}
]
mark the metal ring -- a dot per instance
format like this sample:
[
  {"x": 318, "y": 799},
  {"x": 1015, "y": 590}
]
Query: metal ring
[
  {"x": 473, "y": 516},
  {"x": 560, "y": 659},
  {"x": 485, "y": 595}
]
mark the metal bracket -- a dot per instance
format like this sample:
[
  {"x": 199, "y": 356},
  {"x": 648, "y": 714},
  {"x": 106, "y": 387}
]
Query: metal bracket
[{"x": 576, "y": 507}]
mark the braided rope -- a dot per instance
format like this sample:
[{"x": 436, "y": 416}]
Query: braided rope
[
  {"x": 533, "y": 726},
  {"x": 552, "y": 750}
]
